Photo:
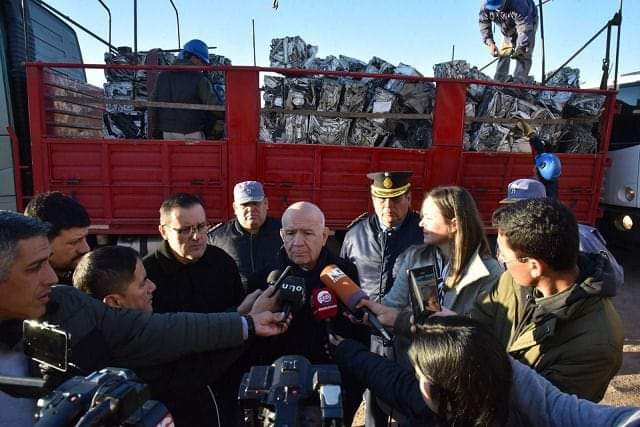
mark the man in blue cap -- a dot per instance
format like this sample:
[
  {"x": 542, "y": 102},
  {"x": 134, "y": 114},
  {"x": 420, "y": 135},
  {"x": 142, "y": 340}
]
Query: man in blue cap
[
  {"x": 518, "y": 21},
  {"x": 252, "y": 238},
  {"x": 185, "y": 87}
]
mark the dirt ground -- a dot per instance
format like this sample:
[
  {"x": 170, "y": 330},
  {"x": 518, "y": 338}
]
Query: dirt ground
[{"x": 624, "y": 389}]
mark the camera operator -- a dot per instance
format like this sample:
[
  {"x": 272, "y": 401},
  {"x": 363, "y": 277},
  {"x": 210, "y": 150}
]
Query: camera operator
[
  {"x": 129, "y": 338},
  {"x": 116, "y": 276},
  {"x": 304, "y": 235}
]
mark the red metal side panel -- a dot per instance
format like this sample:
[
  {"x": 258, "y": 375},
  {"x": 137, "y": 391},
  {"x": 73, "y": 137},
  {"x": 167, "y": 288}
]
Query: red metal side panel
[
  {"x": 36, "y": 127},
  {"x": 243, "y": 123},
  {"x": 487, "y": 175},
  {"x": 333, "y": 177},
  {"x": 448, "y": 115}
]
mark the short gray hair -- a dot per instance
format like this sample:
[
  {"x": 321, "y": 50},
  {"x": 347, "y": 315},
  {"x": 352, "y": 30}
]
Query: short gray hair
[{"x": 13, "y": 228}]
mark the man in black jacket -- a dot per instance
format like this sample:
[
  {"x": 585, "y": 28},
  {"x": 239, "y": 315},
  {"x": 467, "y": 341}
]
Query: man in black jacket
[
  {"x": 184, "y": 87},
  {"x": 373, "y": 244},
  {"x": 304, "y": 235},
  {"x": 252, "y": 239},
  {"x": 195, "y": 277},
  {"x": 116, "y": 276}
]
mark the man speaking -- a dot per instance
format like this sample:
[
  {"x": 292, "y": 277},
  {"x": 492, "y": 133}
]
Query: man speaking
[{"x": 304, "y": 235}]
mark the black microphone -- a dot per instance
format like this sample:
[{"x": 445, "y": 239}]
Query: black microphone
[
  {"x": 292, "y": 294},
  {"x": 276, "y": 277}
]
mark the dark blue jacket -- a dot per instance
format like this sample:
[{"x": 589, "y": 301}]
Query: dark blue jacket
[
  {"x": 252, "y": 252},
  {"x": 515, "y": 17},
  {"x": 374, "y": 251}
]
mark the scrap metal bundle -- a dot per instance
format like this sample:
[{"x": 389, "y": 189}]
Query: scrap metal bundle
[
  {"x": 328, "y": 130},
  {"x": 344, "y": 94},
  {"x": 291, "y": 52}
]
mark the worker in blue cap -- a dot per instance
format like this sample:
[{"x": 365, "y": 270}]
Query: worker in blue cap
[
  {"x": 518, "y": 21},
  {"x": 185, "y": 87}
]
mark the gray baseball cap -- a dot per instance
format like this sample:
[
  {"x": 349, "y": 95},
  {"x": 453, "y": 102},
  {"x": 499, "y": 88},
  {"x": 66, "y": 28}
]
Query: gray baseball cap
[
  {"x": 248, "y": 191},
  {"x": 522, "y": 189}
]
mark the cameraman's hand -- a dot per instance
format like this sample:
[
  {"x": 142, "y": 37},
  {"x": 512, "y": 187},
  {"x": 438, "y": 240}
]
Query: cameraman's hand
[
  {"x": 268, "y": 324},
  {"x": 267, "y": 301},
  {"x": 248, "y": 302},
  {"x": 386, "y": 315}
]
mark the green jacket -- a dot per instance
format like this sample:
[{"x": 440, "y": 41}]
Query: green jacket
[{"x": 573, "y": 338}]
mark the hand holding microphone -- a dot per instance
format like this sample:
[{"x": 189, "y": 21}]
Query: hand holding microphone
[
  {"x": 350, "y": 295},
  {"x": 292, "y": 294}
]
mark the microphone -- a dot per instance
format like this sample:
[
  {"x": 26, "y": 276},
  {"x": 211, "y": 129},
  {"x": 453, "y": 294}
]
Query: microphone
[
  {"x": 292, "y": 294},
  {"x": 350, "y": 295},
  {"x": 276, "y": 277},
  {"x": 324, "y": 306}
]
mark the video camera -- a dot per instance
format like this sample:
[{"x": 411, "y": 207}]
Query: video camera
[
  {"x": 291, "y": 392},
  {"x": 109, "y": 397}
]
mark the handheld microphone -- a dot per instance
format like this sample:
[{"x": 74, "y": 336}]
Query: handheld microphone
[
  {"x": 292, "y": 294},
  {"x": 350, "y": 295},
  {"x": 324, "y": 306},
  {"x": 276, "y": 277}
]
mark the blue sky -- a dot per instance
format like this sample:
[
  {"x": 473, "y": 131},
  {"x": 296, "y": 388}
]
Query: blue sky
[{"x": 417, "y": 32}]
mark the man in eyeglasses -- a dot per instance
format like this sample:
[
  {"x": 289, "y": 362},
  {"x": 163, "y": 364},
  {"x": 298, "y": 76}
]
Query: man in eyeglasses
[
  {"x": 552, "y": 307},
  {"x": 193, "y": 276}
]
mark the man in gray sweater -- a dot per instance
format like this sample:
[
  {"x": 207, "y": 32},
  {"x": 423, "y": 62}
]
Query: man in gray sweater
[{"x": 100, "y": 336}]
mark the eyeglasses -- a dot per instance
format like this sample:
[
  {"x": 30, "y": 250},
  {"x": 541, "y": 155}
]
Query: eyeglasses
[{"x": 190, "y": 231}]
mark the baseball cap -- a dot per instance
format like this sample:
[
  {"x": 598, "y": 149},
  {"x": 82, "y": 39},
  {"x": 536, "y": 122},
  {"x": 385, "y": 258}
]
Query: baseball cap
[
  {"x": 248, "y": 191},
  {"x": 522, "y": 189}
]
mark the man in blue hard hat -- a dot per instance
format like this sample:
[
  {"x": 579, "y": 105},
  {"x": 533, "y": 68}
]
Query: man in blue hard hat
[
  {"x": 518, "y": 21},
  {"x": 185, "y": 87}
]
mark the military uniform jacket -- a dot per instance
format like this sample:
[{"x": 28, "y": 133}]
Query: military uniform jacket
[
  {"x": 374, "y": 250},
  {"x": 573, "y": 338},
  {"x": 251, "y": 252}
]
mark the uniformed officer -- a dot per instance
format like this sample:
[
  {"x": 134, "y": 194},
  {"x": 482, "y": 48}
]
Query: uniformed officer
[{"x": 374, "y": 242}]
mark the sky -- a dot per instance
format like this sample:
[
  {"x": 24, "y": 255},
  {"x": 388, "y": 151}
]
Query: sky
[{"x": 420, "y": 33}]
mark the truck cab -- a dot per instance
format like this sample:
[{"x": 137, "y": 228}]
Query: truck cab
[
  {"x": 28, "y": 32},
  {"x": 620, "y": 199}
]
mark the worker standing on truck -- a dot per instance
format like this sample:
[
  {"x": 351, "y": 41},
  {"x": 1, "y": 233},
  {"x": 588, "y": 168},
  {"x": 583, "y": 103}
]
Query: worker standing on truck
[
  {"x": 518, "y": 21},
  {"x": 185, "y": 87}
]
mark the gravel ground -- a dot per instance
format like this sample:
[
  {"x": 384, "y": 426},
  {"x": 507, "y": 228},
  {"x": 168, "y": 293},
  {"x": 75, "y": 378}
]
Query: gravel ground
[{"x": 624, "y": 389}]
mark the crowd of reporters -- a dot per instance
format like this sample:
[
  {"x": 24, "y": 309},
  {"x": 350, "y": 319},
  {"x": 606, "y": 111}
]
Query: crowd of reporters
[{"x": 196, "y": 313}]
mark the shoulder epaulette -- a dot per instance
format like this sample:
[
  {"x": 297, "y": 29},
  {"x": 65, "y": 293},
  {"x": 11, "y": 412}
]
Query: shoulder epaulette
[{"x": 358, "y": 219}]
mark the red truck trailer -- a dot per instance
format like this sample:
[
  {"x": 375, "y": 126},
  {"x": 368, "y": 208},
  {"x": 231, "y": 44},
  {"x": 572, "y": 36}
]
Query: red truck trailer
[{"x": 122, "y": 182}]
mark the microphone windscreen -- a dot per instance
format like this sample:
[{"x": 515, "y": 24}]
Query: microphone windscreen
[
  {"x": 292, "y": 292},
  {"x": 341, "y": 285},
  {"x": 324, "y": 304}
]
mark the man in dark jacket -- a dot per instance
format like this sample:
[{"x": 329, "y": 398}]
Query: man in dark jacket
[
  {"x": 304, "y": 235},
  {"x": 69, "y": 222},
  {"x": 518, "y": 21},
  {"x": 185, "y": 87},
  {"x": 116, "y": 276},
  {"x": 552, "y": 308},
  {"x": 195, "y": 277},
  {"x": 252, "y": 239},
  {"x": 126, "y": 338},
  {"x": 373, "y": 244}
]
